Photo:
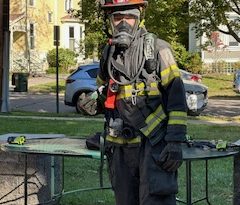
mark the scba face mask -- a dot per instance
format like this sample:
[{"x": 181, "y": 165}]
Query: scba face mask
[{"x": 123, "y": 32}]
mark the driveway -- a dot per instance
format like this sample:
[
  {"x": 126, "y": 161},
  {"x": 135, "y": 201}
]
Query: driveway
[{"x": 227, "y": 108}]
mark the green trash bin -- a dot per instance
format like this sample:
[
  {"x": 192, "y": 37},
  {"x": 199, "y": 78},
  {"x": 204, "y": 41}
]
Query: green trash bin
[{"x": 20, "y": 80}]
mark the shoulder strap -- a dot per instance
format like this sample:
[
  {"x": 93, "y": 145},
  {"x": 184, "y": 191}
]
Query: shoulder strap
[{"x": 150, "y": 52}]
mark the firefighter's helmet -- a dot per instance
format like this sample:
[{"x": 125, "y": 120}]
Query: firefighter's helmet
[{"x": 109, "y": 4}]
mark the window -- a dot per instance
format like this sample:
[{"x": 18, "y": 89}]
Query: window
[
  {"x": 81, "y": 32},
  {"x": 93, "y": 72},
  {"x": 32, "y": 38},
  {"x": 68, "y": 5},
  {"x": 71, "y": 39},
  {"x": 50, "y": 20},
  {"x": 71, "y": 32},
  {"x": 232, "y": 41},
  {"x": 31, "y": 2}
]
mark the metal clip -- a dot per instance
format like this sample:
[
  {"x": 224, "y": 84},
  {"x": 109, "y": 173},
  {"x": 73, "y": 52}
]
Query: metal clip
[{"x": 134, "y": 96}]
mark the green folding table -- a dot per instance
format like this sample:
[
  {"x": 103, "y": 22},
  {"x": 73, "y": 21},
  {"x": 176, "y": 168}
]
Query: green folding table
[{"x": 76, "y": 147}]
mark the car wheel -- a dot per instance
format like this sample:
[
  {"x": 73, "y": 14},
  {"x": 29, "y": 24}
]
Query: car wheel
[{"x": 193, "y": 113}]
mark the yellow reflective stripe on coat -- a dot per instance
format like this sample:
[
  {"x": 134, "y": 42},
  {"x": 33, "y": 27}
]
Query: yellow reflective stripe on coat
[
  {"x": 128, "y": 90},
  {"x": 121, "y": 140},
  {"x": 177, "y": 118},
  {"x": 168, "y": 74},
  {"x": 153, "y": 120},
  {"x": 99, "y": 81}
]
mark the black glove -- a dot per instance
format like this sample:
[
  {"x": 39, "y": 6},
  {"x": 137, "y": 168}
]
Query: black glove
[
  {"x": 88, "y": 103},
  {"x": 171, "y": 158}
]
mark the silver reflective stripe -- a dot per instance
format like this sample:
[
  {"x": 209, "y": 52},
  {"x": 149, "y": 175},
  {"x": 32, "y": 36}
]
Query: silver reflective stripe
[{"x": 153, "y": 120}]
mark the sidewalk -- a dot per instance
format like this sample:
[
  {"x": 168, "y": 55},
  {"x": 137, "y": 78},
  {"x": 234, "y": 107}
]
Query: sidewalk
[{"x": 26, "y": 101}]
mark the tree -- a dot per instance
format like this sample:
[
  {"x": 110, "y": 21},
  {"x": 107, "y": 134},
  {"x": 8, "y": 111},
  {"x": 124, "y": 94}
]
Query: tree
[
  {"x": 168, "y": 20},
  {"x": 209, "y": 15},
  {"x": 89, "y": 13}
]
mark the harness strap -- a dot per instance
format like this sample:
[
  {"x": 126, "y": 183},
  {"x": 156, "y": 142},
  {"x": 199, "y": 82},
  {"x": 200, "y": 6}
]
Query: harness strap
[{"x": 139, "y": 90}]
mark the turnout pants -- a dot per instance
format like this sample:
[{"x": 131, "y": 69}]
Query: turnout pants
[{"x": 136, "y": 178}]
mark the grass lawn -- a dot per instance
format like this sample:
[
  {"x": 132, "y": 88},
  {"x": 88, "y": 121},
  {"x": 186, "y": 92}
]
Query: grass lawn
[
  {"x": 220, "y": 86},
  {"x": 47, "y": 87},
  {"x": 83, "y": 172}
]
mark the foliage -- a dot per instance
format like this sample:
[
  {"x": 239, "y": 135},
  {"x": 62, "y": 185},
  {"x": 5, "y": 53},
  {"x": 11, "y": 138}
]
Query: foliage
[
  {"x": 208, "y": 15},
  {"x": 187, "y": 61},
  {"x": 94, "y": 35},
  {"x": 168, "y": 20},
  {"x": 236, "y": 65},
  {"x": 180, "y": 53},
  {"x": 194, "y": 63},
  {"x": 66, "y": 58}
]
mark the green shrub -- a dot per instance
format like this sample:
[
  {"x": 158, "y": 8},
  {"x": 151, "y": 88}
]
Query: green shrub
[
  {"x": 186, "y": 60},
  {"x": 66, "y": 58},
  {"x": 194, "y": 64},
  {"x": 181, "y": 54}
]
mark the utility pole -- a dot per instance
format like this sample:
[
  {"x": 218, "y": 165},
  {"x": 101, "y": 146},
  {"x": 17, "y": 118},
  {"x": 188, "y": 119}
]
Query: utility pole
[
  {"x": 4, "y": 52},
  {"x": 1, "y": 49}
]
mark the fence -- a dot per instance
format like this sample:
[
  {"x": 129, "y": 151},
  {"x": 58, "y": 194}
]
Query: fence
[{"x": 221, "y": 67}]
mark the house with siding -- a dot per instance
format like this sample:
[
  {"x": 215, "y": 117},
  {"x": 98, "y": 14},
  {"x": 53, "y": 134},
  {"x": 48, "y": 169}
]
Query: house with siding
[
  {"x": 32, "y": 31},
  {"x": 224, "y": 49}
]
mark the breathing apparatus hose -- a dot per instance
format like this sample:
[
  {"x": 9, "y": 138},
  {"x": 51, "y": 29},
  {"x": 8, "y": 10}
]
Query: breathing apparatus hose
[{"x": 110, "y": 70}]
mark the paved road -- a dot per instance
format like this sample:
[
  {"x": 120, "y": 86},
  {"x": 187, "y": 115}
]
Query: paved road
[
  {"x": 37, "y": 103},
  {"x": 227, "y": 108},
  {"x": 47, "y": 103}
]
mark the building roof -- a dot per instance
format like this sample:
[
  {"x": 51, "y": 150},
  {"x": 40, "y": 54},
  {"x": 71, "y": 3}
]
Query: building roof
[
  {"x": 70, "y": 18},
  {"x": 16, "y": 17}
]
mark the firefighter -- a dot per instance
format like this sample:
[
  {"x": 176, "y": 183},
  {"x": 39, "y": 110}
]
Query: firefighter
[{"x": 145, "y": 108}]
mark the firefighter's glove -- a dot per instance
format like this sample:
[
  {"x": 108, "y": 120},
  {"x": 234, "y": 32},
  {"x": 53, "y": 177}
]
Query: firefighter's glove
[
  {"x": 88, "y": 103},
  {"x": 171, "y": 157}
]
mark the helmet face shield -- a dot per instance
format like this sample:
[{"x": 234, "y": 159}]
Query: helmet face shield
[
  {"x": 125, "y": 21},
  {"x": 124, "y": 24}
]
